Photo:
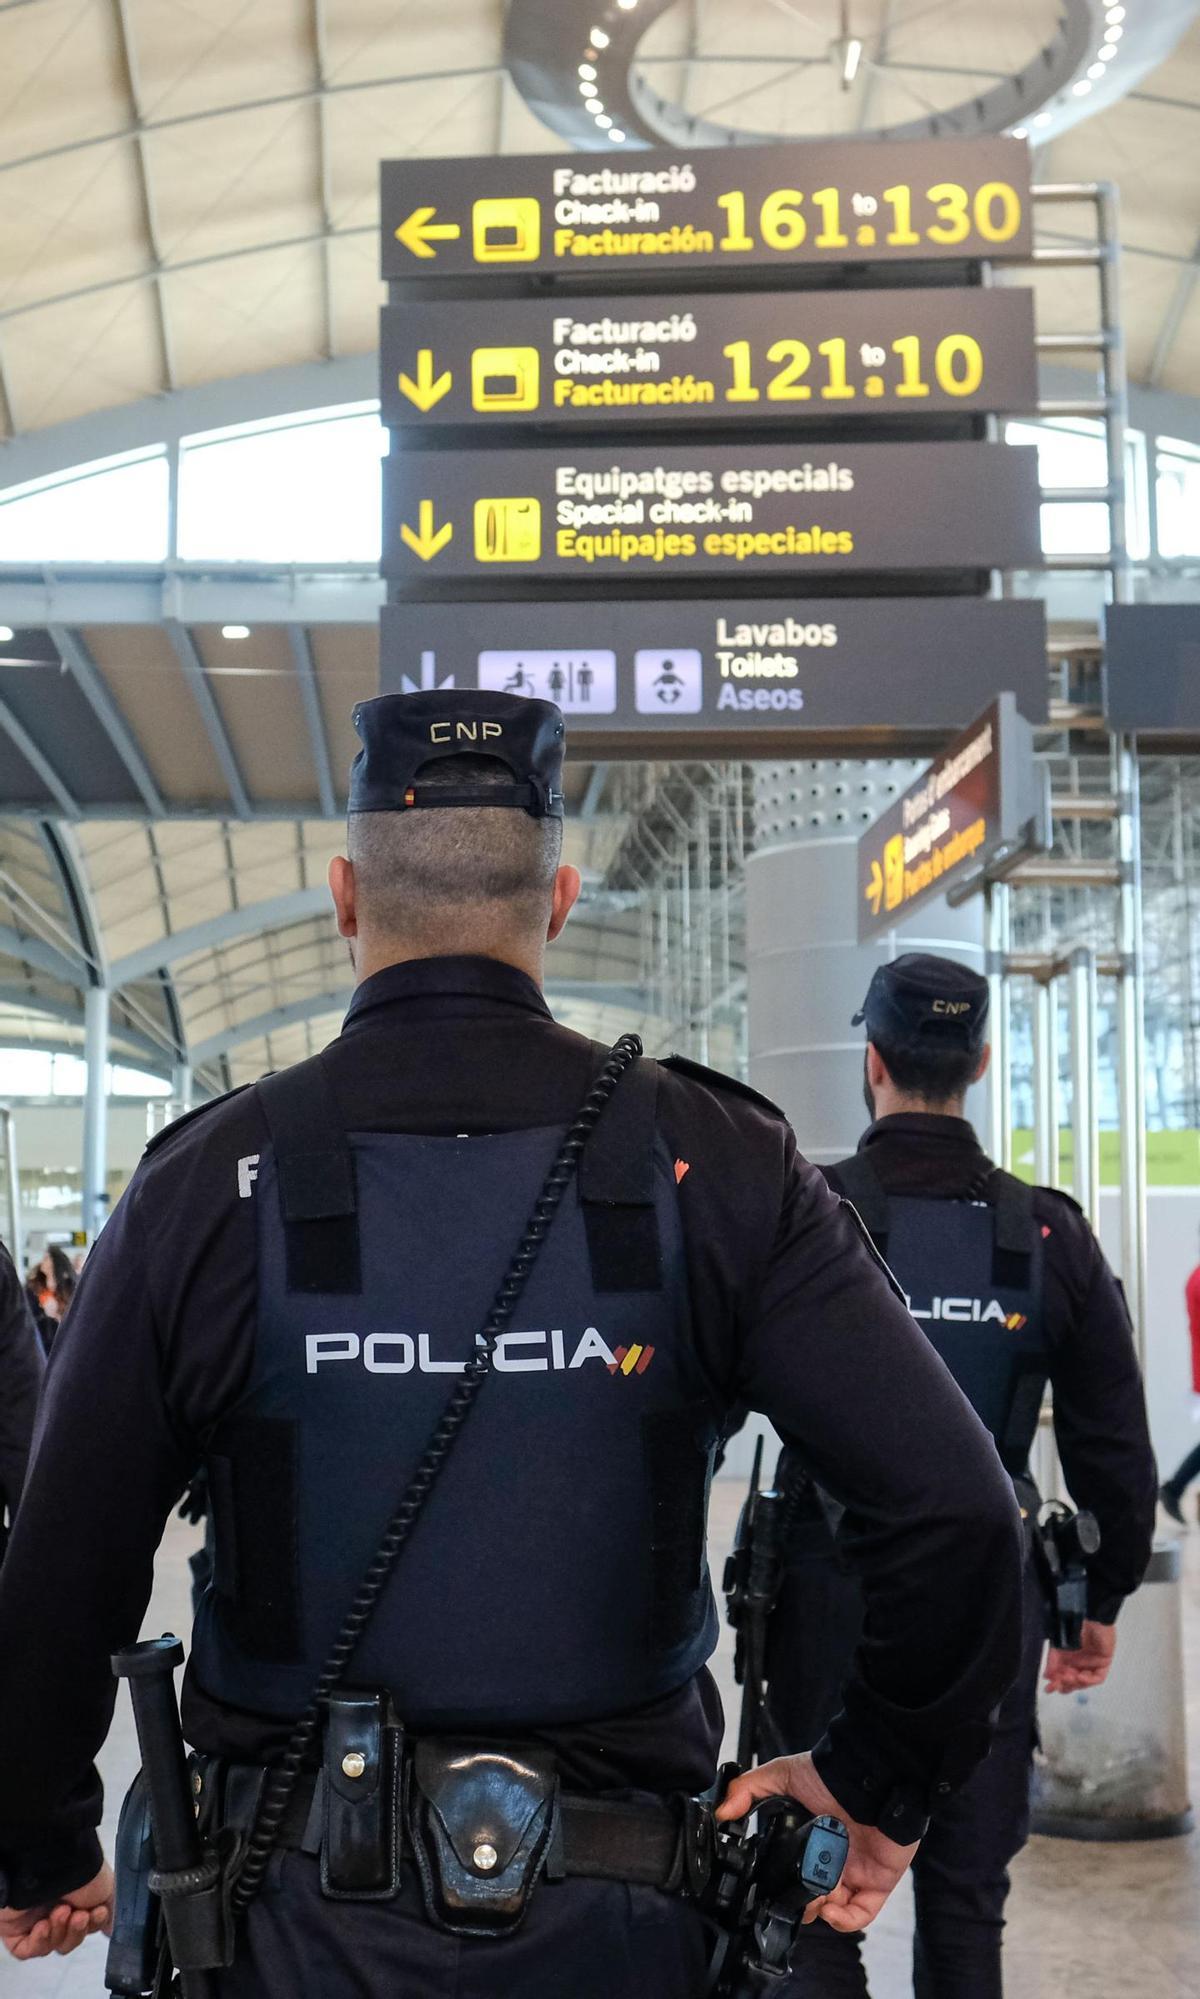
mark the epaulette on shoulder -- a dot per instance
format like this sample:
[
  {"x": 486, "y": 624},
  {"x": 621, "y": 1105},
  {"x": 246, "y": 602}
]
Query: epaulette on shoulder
[
  {"x": 1059, "y": 1194},
  {"x": 715, "y": 1079},
  {"x": 185, "y": 1118}
]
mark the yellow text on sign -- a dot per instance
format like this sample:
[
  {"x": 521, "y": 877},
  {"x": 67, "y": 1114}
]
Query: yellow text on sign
[
  {"x": 505, "y": 378},
  {"x": 508, "y": 530},
  {"x": 508, "y": 230},
  {"x": 893, "y": 872}
]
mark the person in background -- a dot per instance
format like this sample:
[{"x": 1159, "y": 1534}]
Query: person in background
[
  {"x": 20, "y": 1380},
  {"x": 1172, "y": 1489},
  {"x": 50, "y": 1287}
]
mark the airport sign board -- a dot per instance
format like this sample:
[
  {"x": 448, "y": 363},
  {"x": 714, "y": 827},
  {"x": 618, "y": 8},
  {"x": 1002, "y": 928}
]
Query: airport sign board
[
  {"x": 696, "y": 512},
  {"x": 1152, "y": 668},
  {"x": 978, "y": 797},
  {"x": 716, "y": 357},
  {"x": 737, "y": 675},
  {"x": 732, "y": 209}
]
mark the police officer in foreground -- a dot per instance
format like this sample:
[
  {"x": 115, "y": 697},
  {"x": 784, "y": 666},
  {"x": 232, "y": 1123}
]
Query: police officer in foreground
[
  {"x": 1010, "y": 1286},
  {"x": 296, "y": 1287}
]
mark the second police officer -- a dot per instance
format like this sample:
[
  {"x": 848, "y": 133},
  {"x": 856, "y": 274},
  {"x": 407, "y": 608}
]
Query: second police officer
[
  {"x": 1010, "y": 1286},
  {"x": 294, "y": 1289}
]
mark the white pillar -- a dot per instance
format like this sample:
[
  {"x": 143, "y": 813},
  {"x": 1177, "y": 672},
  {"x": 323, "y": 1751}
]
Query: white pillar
[
  {"x": 95, "y": 1110},
  {"x": 182, "y": 1085},
  {"x": 807, "y": 973}
]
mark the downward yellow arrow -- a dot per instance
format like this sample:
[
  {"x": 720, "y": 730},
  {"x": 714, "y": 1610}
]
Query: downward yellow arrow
[
  {"x": 426, "y": 390},
  {"x": 873, "y": 892},
  {"x": 425, "y": 543},
  {"x": 418, "y": 231}
]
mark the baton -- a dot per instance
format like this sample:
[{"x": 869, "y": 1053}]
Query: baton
[{"x": 181, "y": 1864}]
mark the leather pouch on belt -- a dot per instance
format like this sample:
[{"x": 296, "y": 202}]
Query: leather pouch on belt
[
  {"x": 359, "y": 1842},
  {"x": 480, "y": 1820}
]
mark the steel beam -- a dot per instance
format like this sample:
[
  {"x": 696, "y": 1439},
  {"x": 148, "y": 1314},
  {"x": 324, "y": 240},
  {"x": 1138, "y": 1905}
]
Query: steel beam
[
  {"x": 40, "y": 764},
  {"x": 8, "y": 415},
  {"x": 95, "y": 1110},
  {"x": 595, "y": 791},
  {"x": 310, "y": 699},
  {"x": 146, "y": 184},
  {"x": 184, "y": 647},
  {"x": 346, "y": 594},
  {"x": 140, "y": 1045},
  {"x": 233, "y": 110},
  {"x": 86, "y": 673},
  {"x": 324, "y": 181},
  {"x": 59, "y": 848},
  {"x": 41, "y": 956},
  {"x": 259, "y": 1025},
  {"x": 1173, "y": 318},
  {"x": 278, "y": 912}
]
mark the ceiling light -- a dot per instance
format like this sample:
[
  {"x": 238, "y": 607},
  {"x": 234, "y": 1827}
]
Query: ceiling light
[
  {"x": 603, "y": 122},
  {"x": 6, "y": 633},
  {"x": 1109, "y": 52},
  {"x": 1082, "y": 88},
  {"x": 627, "y": 6},
  {"x": 235, "y": 631},
  {"x": 1115, "y": 14},
  {"x": 1043, "y": 118},
  {"x": 587, "y": 90},
  {"x": 618, "y": 136},
  {"x": 1113, "y": 34},
  {"x": 1020, "y": 132},
  {"x": 587, "y": 72},
  {"x": 1097, "y": 69},
  {"x": 851, "y": 57},
  {"x": 595, "y": 106},
  {"x": 599, "y": 38}
]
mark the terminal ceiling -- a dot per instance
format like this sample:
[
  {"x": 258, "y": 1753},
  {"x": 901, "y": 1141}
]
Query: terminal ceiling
[{"x": 189, "y": 195}]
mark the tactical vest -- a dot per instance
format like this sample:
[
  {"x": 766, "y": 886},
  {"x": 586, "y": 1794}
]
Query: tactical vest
[
  {"x": 559, "y": 1569},
  {"x": 971, "y": 1271}
]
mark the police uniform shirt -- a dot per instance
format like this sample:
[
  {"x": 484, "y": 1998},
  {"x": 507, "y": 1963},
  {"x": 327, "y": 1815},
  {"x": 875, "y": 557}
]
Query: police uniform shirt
[
  {"x": 791, "y": 1315},
  {"x": 1099, "y": 1407}
]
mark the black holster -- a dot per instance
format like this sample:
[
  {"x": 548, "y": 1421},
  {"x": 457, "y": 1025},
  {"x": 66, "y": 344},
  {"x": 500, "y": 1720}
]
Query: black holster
[
  {"x": 482, "y": 1822},
  {"x": 133, "y": 1952}
]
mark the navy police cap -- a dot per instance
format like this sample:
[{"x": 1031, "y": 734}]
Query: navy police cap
[
  {"x": 925, "y": 999},
  {"x": 403, "y": 735}
]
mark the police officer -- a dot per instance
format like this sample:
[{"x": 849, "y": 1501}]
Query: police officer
[
  {"x": 1010, "y": 1286},
  {"x": 20, "y": 1379},
  {"x": 293, "y": 1288}
]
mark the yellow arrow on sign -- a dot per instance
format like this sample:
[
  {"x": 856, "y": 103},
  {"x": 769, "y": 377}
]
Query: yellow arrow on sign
[
  {"x": 873, "y": 892},
  {"x": 426, "y": 390},
  {"x": 418, "y": 232},
  {"x": 425, "y": 542}
]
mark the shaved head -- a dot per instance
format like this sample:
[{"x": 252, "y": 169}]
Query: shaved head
[{"x": 440, "y": 880}]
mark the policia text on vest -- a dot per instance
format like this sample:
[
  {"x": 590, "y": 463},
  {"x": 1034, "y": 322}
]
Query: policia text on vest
[{"x": 542, "y": 1640}]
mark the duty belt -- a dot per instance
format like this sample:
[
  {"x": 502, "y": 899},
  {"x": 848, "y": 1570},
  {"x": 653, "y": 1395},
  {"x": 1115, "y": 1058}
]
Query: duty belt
[{"x": 479, "y": 1824}]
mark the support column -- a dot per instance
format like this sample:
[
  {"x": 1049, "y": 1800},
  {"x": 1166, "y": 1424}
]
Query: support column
[
  {"x": 95, "y": 1110},
  {"x": 182, "y": 1086},
  {"x": 807, "y": 972}
]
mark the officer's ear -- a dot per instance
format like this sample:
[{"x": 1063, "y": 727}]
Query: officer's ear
[
  {"x": 876, "y": 1073},
  {"x": 985, "y": 1061},
  {"x": 567, "y": 884},
  {"x": 343, "y": 889}
]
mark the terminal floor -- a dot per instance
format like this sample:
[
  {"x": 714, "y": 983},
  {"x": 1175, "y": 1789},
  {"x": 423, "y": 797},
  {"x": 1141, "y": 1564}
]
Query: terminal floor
[{"x": 1085, "y": 1921}]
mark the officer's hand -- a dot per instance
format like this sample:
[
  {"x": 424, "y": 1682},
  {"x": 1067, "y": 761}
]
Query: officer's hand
[
  {"x": 874, "y": 1863},
  {"x": 1071, "y": 1672},
  {"x": 39, "y": 1932}
]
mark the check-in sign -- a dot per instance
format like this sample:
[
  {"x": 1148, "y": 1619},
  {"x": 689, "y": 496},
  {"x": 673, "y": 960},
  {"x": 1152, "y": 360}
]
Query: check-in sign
[
  {"x": 977, "y": 798},
  {"x": 761, "y": 358},
  {"x": 732, "y": 209},
  {"x": 732, "y": 510}
]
